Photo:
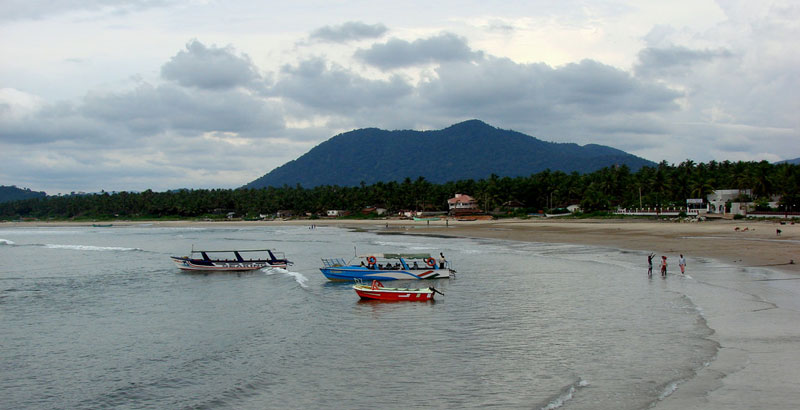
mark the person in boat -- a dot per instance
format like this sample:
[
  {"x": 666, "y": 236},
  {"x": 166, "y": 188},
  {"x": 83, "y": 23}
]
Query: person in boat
[
  {"x": 442, "y": 260},
  {"x": 415, "y": 265}
]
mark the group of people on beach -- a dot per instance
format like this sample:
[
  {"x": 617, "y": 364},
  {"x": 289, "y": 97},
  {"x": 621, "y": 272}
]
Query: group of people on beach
[{"x": 681, "y": 264}]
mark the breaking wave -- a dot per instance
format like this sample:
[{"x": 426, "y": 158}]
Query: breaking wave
[
  {"x": 298, "y": 277},
  {"x": 565, "y": 395},
  {"x": 90, "y": 248}
]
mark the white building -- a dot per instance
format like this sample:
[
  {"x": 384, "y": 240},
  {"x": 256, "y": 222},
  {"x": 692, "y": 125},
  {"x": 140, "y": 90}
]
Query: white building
[
  {"x": 720, "y": 197},
  {"x": 462, "y": 203}
]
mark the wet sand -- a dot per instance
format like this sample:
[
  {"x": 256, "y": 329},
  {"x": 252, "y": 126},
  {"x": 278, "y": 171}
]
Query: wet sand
[{"x": 755, "y": 318}]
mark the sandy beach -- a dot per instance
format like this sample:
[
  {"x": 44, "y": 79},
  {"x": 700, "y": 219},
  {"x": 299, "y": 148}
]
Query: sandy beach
[{"x": 754, "y": 319}]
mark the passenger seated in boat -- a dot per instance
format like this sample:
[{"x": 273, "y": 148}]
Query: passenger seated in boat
[{"x": 415, "y": 265}]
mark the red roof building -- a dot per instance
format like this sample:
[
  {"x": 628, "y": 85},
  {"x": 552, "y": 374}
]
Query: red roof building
[{"x": 462, "y": 204}]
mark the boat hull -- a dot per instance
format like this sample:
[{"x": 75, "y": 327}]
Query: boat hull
[
  {"x": 223, "y": 266},
  {"x": 393, "y": 294},
  {"x": 350, "y": 273}
]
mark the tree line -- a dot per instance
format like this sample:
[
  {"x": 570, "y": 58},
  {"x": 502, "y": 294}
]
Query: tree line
[{"x": 664, "y": 185}]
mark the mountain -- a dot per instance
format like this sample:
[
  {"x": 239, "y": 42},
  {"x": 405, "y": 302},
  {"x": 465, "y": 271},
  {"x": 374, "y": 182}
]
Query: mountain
[
  {"x": 468, "y": 150},
  {"x": 795, "y": 161},
  {"x": 12, "y": 193}
]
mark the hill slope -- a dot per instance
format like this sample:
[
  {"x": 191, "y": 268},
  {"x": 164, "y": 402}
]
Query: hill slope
[
  {"x": 12, "y": 193},
  {"x": 795, "y": 161},
  {"x": 468, "y": 150}
]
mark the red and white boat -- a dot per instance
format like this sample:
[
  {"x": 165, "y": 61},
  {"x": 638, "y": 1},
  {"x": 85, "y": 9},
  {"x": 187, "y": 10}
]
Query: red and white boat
[{"x": 377, "y": 291}]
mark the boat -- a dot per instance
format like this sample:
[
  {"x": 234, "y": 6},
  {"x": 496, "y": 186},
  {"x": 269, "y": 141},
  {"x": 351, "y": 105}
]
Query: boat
[
  {"x": 376, "y": 291},
  {"x": 386, "y": 266},
  {"x": 236, "y": 260},
  {"x": 102, "y": 225}
]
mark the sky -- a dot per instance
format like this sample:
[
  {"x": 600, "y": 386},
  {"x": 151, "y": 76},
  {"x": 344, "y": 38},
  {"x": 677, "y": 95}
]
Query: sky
[{"x": 161, "y": 94}]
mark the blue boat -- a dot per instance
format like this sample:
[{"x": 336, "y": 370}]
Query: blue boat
[{"x": 386, "y": 266}]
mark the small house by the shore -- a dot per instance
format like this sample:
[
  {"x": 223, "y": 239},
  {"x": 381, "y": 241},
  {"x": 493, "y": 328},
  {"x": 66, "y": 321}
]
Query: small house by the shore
[
  {"x": 462, "y": 204},
  {"x": 334, "y": 213}
]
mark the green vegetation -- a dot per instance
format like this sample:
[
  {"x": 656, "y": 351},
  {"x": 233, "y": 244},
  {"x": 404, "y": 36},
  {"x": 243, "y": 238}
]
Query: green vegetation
[
  {"x": 12, "y": 193},
  {"x": 597, "y": 192},
  {"x": 468, "y": 150}
]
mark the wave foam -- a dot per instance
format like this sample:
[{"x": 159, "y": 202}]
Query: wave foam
[
  {"x": 90, "y": 248},
  {"x": 6, "y": 242},
  {"x": 565, "y": 395},
  {"x": 298, "y": 277}
]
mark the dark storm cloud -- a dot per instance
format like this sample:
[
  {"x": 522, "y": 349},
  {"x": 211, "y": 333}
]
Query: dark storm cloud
[
  {"x": 400, "y": 53},
  {"x": 665, "y": 60},
  {"x": 209, "y": 67},
  {"x": 350, "y": 31},
  {"x": 334, "y": 89}
]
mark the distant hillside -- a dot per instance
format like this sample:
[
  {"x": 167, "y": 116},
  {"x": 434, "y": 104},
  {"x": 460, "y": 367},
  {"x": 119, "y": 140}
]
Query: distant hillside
[
  {"x": 468, "y": 150},
  {"x": 12, "y": 193},
  {"x": 795, "y": 161}
]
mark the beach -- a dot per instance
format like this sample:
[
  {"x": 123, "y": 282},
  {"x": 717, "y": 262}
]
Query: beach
[
  {"x": 754, "y": 321},
  {"x": 753, "y": 306}
]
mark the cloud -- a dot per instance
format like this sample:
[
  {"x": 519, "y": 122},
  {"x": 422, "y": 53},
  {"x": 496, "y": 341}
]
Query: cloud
[
  {"x": 333, "y": 89},
  {"x": 501, "y": 85},
  {"x": 350, "y": 31},
  {"x": 210, "y": 67},
  {"x": 674, "y": 59},
  {"x": 155, "y": 109},
  {"x": 396, "y": 53},
  {"x": 38, "y": 9}
]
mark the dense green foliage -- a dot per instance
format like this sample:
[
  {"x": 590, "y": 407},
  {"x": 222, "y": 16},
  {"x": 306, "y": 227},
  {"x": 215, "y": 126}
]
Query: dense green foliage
[
  {"x": 662, "y": 185},
  {"x": 12, "y": 193},
  {"x": 469, "y": 150}
]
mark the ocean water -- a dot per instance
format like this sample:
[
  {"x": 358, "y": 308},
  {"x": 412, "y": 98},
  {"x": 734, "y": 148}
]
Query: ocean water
[{"x": 101, "y": 318}]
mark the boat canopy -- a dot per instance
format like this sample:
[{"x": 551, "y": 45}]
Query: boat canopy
[{"x": 398, "y": 255}]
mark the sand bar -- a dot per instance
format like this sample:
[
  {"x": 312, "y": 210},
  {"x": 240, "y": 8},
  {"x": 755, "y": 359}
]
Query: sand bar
[{"x": 755, "y": 321}]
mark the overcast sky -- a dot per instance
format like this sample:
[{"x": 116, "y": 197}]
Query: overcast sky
[{"x": 160, "y": 94}]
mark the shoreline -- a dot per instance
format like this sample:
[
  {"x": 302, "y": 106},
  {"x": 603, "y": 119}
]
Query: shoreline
[
  {"x": 755, "y": 244},
  {"x": 753, "y": 311}
]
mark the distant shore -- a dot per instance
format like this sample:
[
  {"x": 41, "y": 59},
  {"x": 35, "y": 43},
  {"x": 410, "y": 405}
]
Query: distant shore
[
  {"x": 754, "y": 244},
  {"x": 755, "y": 321}
]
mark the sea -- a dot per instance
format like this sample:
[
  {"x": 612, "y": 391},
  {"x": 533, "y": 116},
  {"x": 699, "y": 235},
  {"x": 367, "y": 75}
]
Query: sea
[{"x": 99, "y": 317}]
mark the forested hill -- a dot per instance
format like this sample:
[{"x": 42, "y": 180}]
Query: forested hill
[
  {"x": 12, "y": 193},
  {"x": 468, "y": 150},
  {"x": 795, "y": 161}
]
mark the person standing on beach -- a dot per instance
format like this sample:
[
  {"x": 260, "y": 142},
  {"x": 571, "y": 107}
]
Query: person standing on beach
[
  {"x": 663, "y": 266},
  {"x": 682, "y": 264},
  {"x": 650, "y": 263}
]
